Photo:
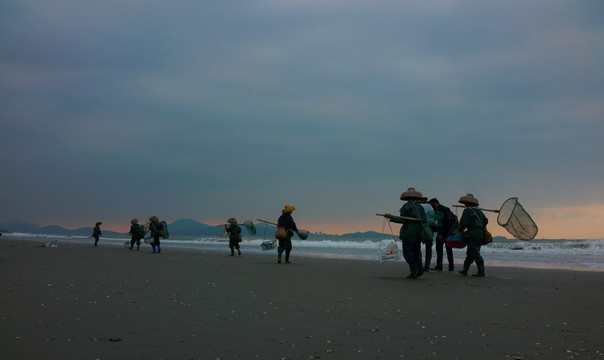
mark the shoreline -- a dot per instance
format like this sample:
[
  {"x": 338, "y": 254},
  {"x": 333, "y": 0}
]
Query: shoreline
[{"x": 520, "y": 260}]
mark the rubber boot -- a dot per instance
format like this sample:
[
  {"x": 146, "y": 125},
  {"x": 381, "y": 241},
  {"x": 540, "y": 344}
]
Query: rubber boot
[
  {"x": 466, "y": 267},
  {"x": 480, "y": 266},
  {"x": 158, "y": 248},
  {"x": 420, "y": 267},
  {"x": 413, "y": 271},
  {"x": 154, "y": 251}
]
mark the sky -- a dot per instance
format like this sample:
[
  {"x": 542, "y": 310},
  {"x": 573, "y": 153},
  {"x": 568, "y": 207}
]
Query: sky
[{"x": 207, "y": 110}]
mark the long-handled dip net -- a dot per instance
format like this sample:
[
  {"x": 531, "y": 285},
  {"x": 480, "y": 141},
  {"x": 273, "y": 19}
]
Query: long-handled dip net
[
  {"x": 250, "y": 227},
  {"x": 515, "y": 219}
]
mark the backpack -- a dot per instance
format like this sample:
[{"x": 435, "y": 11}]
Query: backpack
[
  {"x": 450, "y": 221},
  {"x": 165, "y": 234},
  {"x": 140, "y": 231}
]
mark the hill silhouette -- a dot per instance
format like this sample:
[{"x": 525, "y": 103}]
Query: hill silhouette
[{"x": 181, "y": 227}]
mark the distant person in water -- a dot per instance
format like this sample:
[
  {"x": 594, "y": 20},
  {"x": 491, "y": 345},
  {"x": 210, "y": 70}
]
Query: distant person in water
[
  {"x": 286, "y": 221},
  {"x": 234, "y": 235},
  {"x": 157, "y": 230},
  {"x": 96, "y": 232}
]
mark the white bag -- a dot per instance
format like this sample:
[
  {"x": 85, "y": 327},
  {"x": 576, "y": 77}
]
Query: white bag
[{"x": 389, "y": 251}]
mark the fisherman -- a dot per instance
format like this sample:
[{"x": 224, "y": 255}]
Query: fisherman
[
  {"x": 433, "y": 220},
  {"x": 157, "y": 230},
  {"x": 444, "y": 229},
  {"x": 137, "y": 233},
  {"x": 234, "y": 234},
  {"x": 286, "y": 221},
  {"x": 410, "y": 231},
  {"x": 475, "y": 222},
  {"x": 96, "y": 232}
]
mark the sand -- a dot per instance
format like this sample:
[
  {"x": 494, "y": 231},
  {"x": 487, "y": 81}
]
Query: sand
[{"x": 81, "y": 302}]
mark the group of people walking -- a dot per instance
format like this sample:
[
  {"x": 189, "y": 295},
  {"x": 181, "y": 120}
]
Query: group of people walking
[
  {"x": 156, "y": 229},
  {"x": 413, "y": 216},
  {"x": 285, "y": 223},
  {"x": 232, "y": 228},
  {"x": 137, "y": 233},
  {"x": 417, "y": 229}
]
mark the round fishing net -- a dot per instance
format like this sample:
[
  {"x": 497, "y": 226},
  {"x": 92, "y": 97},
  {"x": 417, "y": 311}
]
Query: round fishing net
[
  {"x": 516, "y": 220},
  {"x": 250, "y": 227}
]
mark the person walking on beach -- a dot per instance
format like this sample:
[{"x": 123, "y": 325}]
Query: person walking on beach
[
  {"x": 286, "y": 221},
  {"x": 443, "y": 230},
  {"x": 138, "y": 232},
  {"x": 432, "y": 221},
  {"x": 473, "y": 221},
  {"x": 156, "y": 229},
  {"x": 410, "y": 231},
  {"x": 234, "y": 235},
  {"x": 96, "y": 232}
]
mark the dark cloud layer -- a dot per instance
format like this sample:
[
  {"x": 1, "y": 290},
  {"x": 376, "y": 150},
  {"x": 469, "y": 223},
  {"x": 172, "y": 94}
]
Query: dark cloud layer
[{"x": 208, "y": 110}]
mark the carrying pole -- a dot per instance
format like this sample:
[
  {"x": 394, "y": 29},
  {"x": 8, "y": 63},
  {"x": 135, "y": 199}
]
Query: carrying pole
[
  {"x": 476, "y": 207},
  {"x": 268, "y": 222},
  {"x": 403, "y": 217}
]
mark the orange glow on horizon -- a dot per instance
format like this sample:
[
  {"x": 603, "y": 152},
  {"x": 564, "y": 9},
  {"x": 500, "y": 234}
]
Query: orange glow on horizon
[{"x": 558, "y": 222}]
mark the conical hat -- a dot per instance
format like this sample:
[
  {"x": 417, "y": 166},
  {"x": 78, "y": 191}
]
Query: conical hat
[
  {"x": 288, "y": 208},
  {"x": 469, "y": 200},
  {"x": 411, "y": 194}
]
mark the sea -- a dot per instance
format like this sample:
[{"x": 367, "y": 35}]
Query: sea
[{"x": 582, "y": 254}]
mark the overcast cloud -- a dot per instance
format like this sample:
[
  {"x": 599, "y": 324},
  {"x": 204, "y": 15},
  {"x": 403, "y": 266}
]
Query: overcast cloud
[{"x": 207, "y": 110}]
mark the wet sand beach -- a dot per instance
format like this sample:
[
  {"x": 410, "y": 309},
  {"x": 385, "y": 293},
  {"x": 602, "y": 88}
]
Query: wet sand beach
[{"x": 81, "y": 302}]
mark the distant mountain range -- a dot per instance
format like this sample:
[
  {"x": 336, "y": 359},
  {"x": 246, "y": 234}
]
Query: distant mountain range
[{"x": 182, "y": 227}]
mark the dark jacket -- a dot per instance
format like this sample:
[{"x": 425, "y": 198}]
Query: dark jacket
[
  {"x": 473, "y": 221},
  {"x": 155, "y": 227},
  {"x": 449, "y": 222},
  {"x": 287, "y": 221},
  {"x": 96, "y": 232},
  {"x": 410, "y": 229},
  {"x": 137, "y": 231},
  {"x": 234, "y": 232}
]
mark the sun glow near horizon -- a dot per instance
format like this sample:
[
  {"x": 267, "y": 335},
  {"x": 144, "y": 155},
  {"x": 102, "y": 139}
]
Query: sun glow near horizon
[{"x": 555, "y": 222}]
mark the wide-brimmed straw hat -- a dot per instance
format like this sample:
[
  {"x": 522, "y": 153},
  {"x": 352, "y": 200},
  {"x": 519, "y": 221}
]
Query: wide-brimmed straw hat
[
  {"x": 288, "y": 208},
  {"x": 154, "y": 219},
  {"x": 411, "y": 194},
  {"x": 98, "y": 223},
  {"x": 232, "y": 221},
  {"x": 134, "y": 221},
  {"x": 469, "y": 200}
]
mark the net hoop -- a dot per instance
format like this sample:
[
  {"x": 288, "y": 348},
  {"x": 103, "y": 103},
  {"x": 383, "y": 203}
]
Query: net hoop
[{"x": 516, "y": 220}]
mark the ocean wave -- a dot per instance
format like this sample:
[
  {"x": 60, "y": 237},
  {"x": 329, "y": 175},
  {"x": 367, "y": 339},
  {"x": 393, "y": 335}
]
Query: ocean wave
[{"x": 592, "y": 247}]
